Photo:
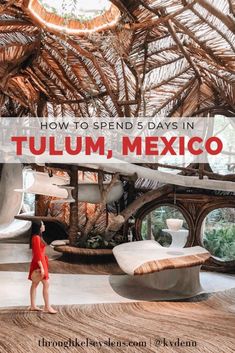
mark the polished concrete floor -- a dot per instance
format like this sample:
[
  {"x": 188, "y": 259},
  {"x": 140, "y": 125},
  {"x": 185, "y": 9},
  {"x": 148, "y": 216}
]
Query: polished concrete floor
[
  {"x": 93, "y": 289},
  {"x": 85, "y": 288}
]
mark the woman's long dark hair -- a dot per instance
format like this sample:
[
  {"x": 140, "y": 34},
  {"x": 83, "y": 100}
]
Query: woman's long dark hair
[{"x": 35, "y": 230}]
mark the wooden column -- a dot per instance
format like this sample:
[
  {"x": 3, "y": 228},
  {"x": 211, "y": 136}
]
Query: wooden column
[
  {"x": 1, "y": 169},
  {"x": 73, "y": 223},
  {"x": 41, "y": 202},
  {"x": 149, "y": 226}
]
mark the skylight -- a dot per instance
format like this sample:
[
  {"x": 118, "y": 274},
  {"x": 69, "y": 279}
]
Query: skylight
[{"x": 81, "y": 10}]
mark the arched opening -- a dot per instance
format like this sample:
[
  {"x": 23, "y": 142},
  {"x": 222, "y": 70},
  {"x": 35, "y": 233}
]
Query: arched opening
[
  {"x": 75, "y": 18},
  {"x": 77, "y": 10},
  {"x": 166, "y": 224},
  {"x": 218, "y": 233}
]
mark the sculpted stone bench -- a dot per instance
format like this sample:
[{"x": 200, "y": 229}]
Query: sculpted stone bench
[{"x": 174, "y": 270}]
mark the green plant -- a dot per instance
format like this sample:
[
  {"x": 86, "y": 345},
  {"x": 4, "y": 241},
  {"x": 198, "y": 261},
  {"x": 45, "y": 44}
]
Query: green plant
[
  {"x": 221, "y": 242},
  {"x": 98, "y": 242}
]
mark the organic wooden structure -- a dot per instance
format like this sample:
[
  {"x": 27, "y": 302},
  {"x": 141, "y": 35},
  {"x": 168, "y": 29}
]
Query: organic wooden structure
[
  {"x": 194, "y": 208},
  {"x": 159, "y": 58},
  {"x": 171, "y": 270},
  {"x": 139, "y": 58},
  {"x": 69, "y": 250},
  {"x": 152, "y": 257}
]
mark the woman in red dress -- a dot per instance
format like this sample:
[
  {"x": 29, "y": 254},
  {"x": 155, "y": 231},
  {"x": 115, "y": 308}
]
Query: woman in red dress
[{"x": 38, "y": 271}]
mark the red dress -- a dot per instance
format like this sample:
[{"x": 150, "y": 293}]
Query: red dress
[{"x": 38, "y": 252}]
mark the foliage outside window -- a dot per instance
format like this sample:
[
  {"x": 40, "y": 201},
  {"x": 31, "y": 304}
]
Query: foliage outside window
[{"x": 218, "y": 233}]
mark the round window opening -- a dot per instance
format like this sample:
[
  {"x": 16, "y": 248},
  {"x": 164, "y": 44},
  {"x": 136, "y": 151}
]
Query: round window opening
[
  {"x": 74, "y": 17},
  {"x": 218, "y": 233},
  {"x": 167, "y": 225},
  {"x": 82, "y": 10}
]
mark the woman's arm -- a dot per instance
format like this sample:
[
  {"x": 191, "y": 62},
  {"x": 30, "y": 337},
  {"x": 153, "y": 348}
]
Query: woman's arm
[
  {"x": 41, "y": 268},
  {"x": 37, "y": 252}
]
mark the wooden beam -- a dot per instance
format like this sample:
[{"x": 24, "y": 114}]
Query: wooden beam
[
  {"x": 118, "y": 222},
  {"x": 158, "y": 21},
  {"x": 182, "y": 49},
  {"x": 229, "y": 22},
  {"x": 123, "y": 8},
  {"x": 24, "y": 217},
  {"x": 73, "y": 220}
]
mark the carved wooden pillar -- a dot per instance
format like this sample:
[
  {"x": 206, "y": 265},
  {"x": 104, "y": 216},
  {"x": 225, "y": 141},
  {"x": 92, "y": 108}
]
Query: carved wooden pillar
[
  {"x": 73, "y": 223},
  {"x": 149, "y": 226},
  {"x": 1, "y": 168}
]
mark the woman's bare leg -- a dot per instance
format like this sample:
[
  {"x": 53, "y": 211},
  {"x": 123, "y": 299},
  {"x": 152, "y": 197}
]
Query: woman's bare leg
[
  {"x": 33, "y": 291},
  {"x": 45, "y": 292}
]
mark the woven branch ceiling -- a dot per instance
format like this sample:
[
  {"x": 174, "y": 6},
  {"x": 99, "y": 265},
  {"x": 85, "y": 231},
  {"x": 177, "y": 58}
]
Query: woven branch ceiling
[{"x": 160, "y": 58}]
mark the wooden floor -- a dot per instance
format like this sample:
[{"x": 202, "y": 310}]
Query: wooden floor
[{"x": 209, "y": 321}]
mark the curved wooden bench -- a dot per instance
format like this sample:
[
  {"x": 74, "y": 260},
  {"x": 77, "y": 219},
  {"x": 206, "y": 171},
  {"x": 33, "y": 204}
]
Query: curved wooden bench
[
  {"x": 172, "y": 263},
  {"x": 67, "y": 249},
  {"x": 168, "y": 269}
]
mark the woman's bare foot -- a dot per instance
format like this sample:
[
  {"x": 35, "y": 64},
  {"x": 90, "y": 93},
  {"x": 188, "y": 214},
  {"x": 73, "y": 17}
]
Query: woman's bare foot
[
  {"x": 49, "y": 310},
  {"x": 34, "y": 308}
]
